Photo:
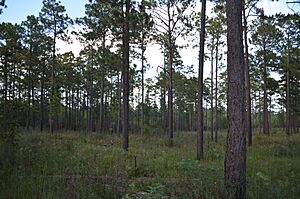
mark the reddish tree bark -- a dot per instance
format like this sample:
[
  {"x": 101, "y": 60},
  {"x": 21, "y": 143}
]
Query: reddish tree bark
[{"x": 235, "y": 157}]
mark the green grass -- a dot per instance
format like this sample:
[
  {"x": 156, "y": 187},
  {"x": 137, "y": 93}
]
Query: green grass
[{"x": 71, "y": 165}]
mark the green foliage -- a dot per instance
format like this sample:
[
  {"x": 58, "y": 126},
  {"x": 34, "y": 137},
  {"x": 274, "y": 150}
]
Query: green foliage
[
  {"x": 156, "y": 191},
  {"x": 146, "y": 130},
  {"x": 9, "y": 129},
  {"x": 54, "y": 18},
  {"x": 93, "y": 166}
]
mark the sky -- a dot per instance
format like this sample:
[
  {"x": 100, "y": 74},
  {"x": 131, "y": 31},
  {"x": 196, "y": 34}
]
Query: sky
[{"x": 18, "y": 10}]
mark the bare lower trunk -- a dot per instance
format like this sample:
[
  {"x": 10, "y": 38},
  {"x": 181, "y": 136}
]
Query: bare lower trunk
[
  {"x": 288, "y": 114},
  {"x": 247, "y": 82},
  {"x": 28, "y": 99},
  {"x": 143, "y": 89},
  {"x": 125, "y": 126},
  {"x": 52, "y": 122},
  {"x": 170, "y": 84},
  {"x": 33, "y": 104},
  {"x": 260, "y": 112},
  {"x": 235, "y": 157},
  {"x": 165, "y": 114},
  {"x": 216, "y": 93},
  {"x": 101, "y": 105},
  {"x": 212, "y": 93},
  {"x": 119, "y": 125},
  {"x": 66, "y": 119},
  {"x": 170, "y": 99},
  {"x": 200, "y": 154},
  {"x": 266, "y": 129},
  {"x": 42, "y": 98}
]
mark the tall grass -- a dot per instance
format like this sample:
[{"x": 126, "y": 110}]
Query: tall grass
[{"x": 73, "y": 165}]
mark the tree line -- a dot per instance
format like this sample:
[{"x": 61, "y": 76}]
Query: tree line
[
  {"x": 104, "y": 88},
  {"x": 64, "y": 91}
]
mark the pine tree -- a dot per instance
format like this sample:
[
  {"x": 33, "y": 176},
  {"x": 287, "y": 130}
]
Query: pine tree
[
  {"x": 55, "y": 21},
  {"x": 235, "y": 157}
]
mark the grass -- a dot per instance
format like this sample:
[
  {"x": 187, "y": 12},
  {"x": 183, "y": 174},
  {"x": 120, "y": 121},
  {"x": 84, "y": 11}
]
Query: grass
[{"x": 72, "y": 165}]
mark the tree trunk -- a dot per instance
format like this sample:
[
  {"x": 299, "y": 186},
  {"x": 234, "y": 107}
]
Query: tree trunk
[
  {"x": 266, "y": 129},
  {"x": 32, "y": 103},
  {"x": 206, "y": 118},
  {"x": 288, "y": 114},
  {"x": 66, "y": 119},
  {"x": 293, "y": 104},
  {"x": 119, "y": 125},
  {"x": 256, "y": 110},
  {"x": 190, "y": 120},
  {"x": 164, "y": 107},
  {"x": 91, "y": 114},
  {"x": 170, "y": 83},
  {"x": 13, "y": 76},
  {"x": 72, "y": 111},
  {"x": 101, "y": 105},
  {"x": 216, "y": 93},
  {"x": 170, "y": 97},
  {"x": 42, "y": 99},
  {"x": 5, "y": 84},
  {"x": 77, "y": 110},
  {"x": 143, "y": 88},
  {"x": 212, "y": 91},
  {"x": 297, "y": 99},
  {"x": 28, "y": 96},
  {"x": 270, "y": 113},
  {"x": 235, "y": 157},
  {"x": 52, "y": 122},
  {"x": 126, "y": 77},
  {"x": 87, "y": 114},
  {"x": 84, "y": 112},
  {"x": 200, "y": 154},
  {"x": 102, "y": 80},
  {"x": 247, "y": 81}
]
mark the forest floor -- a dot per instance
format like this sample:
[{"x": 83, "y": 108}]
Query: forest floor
[{"x": 73, "y": 165}]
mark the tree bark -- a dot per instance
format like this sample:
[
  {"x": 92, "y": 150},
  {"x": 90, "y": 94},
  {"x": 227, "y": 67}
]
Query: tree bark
[
  {"x": 288, "y": 114},
  {"x": 170, "y": 98},
  {"x": 102, "y": 80},
  {"x": 247, "y": 81},
  {"x": 5, "y": 83},
  {"x": 42, "y": 99},
  {"x": 52, "y": 122},
  {"x": 266, "y": 129},
  {"x": 32, "y": 103},
  {"x": 170, "y": 83},
  {"x": 101, "y": 105},
  {"x": 72, "y": 110},
  {"x": 28, "y": 119},
  {"x": 235, "y": 157},
  {"x": 200, "y": 154},
  {"x": 212, "y": 91},
  {"x": 66, "y": 119},
  {"x": 143, "y": 88},
  {"x": 259, "y": 112},
  {"x": 77, "y": 110},
  {"x": 119, "y": 125},
  {"x": 216, "y": 93},
  {"x": 164, "y": 109},
  {"x": 125, "y": 126},
  {"x": 90, "y": 112}
]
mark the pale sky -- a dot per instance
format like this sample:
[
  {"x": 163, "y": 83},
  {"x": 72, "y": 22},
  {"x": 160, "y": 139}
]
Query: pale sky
[{"x": 18, "y": 10}]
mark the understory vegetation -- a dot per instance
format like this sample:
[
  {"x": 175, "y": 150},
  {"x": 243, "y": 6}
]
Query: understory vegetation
[{"x": 78, "y": 165}]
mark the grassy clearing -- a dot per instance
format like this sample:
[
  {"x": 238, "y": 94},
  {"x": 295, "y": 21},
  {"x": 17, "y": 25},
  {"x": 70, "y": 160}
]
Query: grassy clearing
[{"x": 73, "y": 165}]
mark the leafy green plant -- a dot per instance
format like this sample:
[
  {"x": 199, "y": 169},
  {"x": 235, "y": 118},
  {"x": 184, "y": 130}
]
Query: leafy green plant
[{"x": 156, "y": 191}]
